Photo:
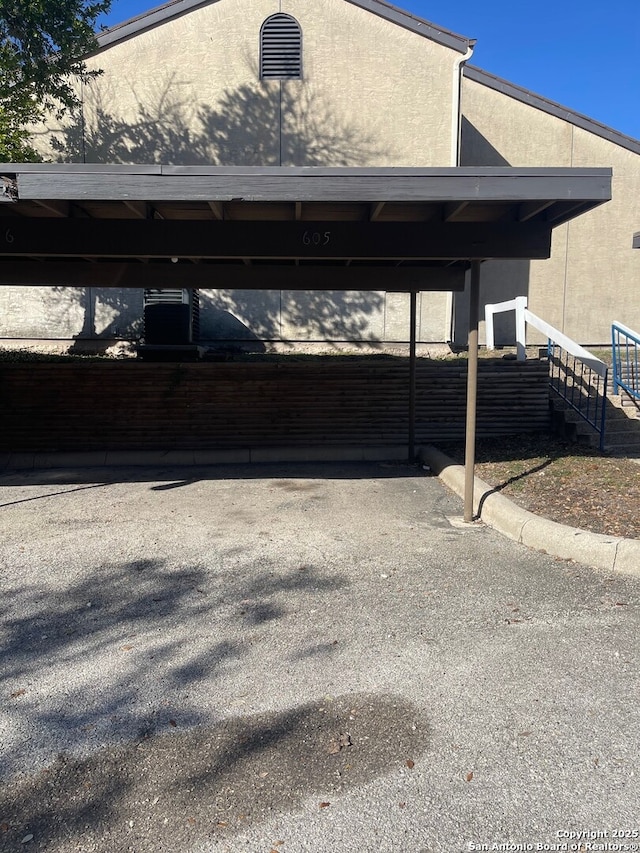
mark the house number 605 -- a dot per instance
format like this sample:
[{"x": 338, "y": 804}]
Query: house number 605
[{"x": 316, "y": 238}]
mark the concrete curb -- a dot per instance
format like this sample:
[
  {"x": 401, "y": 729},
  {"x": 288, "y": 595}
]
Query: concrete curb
[
  {"x": 612, "y": 553},
  {"x": 112, "y": 458}
]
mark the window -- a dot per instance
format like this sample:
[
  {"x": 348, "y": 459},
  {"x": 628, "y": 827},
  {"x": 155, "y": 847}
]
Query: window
[{"x": 281, "y": 49}]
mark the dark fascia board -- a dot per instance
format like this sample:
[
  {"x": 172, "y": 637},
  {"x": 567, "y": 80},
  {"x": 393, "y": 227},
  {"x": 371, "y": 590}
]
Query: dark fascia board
[
  {"x": 81, "y": 168},
  {"x": 150, "y": 19},
  {"x": 176, "y": 8},
  {"x": 309, "y": 172},
  {"x": 636, "y": 240},
  {"x": 550, "y": 107},
  {"x": 282, "y": 184},
  {"x": 261, "y": 277},
  {"x": 415, "y": 24}
]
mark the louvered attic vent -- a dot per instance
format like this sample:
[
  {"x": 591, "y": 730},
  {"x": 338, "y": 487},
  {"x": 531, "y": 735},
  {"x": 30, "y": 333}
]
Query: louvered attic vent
[{"x": 281, "y": 49}]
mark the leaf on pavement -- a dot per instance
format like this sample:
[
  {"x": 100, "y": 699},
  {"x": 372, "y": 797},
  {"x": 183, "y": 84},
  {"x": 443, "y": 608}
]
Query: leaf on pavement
[{"x": 339, "y": 743}]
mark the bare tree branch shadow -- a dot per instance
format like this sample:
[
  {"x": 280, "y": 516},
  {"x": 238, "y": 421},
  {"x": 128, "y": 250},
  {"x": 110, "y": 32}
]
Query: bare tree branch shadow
[
  {"x": 214, "y": 781},
  {"x": 255, "y": 124},
  {"x": 77, "y": 654}
]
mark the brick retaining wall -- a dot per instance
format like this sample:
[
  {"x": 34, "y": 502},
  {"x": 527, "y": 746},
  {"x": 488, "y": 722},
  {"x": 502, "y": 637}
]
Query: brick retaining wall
[{"x": 135, "y": 405}]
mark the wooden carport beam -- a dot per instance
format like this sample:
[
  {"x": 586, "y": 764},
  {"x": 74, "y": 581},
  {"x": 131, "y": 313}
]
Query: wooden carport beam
[
  {"x": 333, "y": 240},
  {"x": 532, "y": 208},
  {"x": 452, "y": 210},
  {"x": 565, "y": 211},
  {"x": 55, "y": 208},
  {"x": 140, "y": 209},
  {"x": 235, "y": 276}
]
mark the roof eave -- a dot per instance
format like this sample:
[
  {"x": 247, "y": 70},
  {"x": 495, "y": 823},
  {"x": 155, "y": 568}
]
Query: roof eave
[
  {"x": 558, "y": 194},
  {"x": 525, "y": 96},
  {"x": 176, "y": 8}
]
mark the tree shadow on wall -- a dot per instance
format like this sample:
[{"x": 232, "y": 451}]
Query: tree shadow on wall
[
  {"x": 258, "y": 124},
  {"x": 319, "y": 315},
  {"x": 265, "y": 126},
  {"x": 107, "y": 314},
  {"x": 242, "y": 318}
]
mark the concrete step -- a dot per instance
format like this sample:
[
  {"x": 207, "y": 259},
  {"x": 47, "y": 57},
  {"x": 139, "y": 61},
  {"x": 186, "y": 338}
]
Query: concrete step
[
  {"x": 612, "y": 440},
  {"x": 622, "y": 427},
  {"x": 625, "y": 403},
  {"x": 568, "y": 424},
  {"x": 622, "y": 431}
]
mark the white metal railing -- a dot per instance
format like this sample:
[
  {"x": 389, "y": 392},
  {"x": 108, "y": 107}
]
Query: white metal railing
[
  {"x": 519, "y": 305},
  {"x": 524, "y": 317},
  {"x": 575, "y": 374}
]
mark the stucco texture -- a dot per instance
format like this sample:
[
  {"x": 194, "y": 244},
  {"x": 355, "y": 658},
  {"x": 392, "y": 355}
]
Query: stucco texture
[
  {"x": 188, "y": 92},
  {"x": 593, "y": 275},
  {"x": 373, "y": 93}
]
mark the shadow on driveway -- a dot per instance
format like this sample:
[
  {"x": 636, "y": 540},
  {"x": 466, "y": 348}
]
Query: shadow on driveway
[{"x": 169, "y": 792}]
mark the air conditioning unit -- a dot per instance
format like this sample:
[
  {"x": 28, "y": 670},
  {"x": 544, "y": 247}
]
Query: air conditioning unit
[{"x": 171, "y": 317}]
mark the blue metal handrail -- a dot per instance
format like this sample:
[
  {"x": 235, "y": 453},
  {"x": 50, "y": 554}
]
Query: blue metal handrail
[
  {"x": 625, "y": 349},
  {"x": 583, "y": 388}
]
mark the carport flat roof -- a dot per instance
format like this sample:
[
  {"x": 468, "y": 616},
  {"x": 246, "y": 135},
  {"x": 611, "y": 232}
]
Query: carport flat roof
[
  {"x": 301, "y": 215},
  {"x": 561, "y": 193},
  {"x": 133, "y": 221}
]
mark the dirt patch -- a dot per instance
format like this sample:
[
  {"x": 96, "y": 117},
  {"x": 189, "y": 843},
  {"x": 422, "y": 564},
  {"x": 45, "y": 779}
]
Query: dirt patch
[{"x": 564, "y": 482}]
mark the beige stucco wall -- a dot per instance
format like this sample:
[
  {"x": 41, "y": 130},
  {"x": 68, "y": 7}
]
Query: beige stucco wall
[
  {"x": 593, "y": 275},
  {"x": 226, "y": 315},
  {"x": 69, "y": 313},
  {"x": 373, "y": 93},
  {"x": 188, "y": 92}
]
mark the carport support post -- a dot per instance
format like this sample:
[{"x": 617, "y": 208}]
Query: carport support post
[
  {"x": 412, "y": 376},
  {"x": 472, "y": 390}
]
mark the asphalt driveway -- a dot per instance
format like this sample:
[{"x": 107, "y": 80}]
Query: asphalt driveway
[{"x": 302, "y": 658}]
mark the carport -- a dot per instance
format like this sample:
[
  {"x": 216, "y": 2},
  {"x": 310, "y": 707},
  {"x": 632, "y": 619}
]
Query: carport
[{"x": 366, "y": 229}]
